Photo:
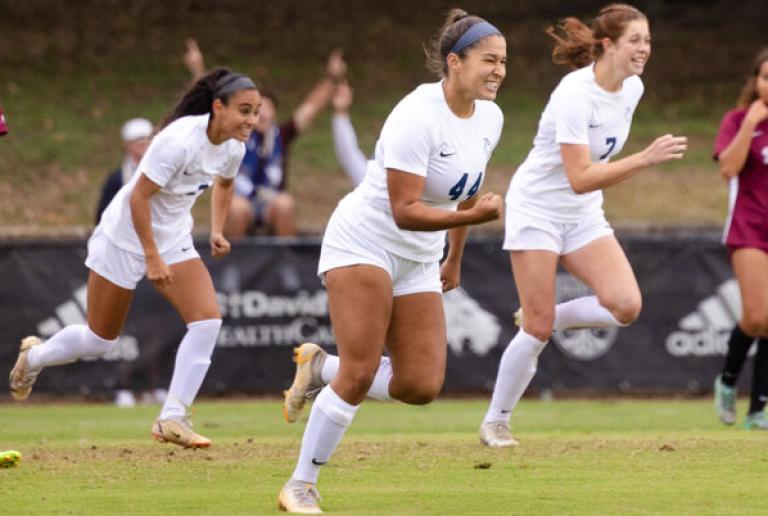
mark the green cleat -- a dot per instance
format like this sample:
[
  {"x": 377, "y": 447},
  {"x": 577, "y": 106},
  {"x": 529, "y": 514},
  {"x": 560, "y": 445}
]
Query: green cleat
[
  {"x": 756, "y": 421},
  {"x": 725, "y": 402}
]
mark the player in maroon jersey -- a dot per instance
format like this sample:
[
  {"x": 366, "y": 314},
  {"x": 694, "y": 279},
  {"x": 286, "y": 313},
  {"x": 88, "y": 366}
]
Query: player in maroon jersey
[
  {"x": 3, "y": 125},
  {"x": 741, "y": 150}
]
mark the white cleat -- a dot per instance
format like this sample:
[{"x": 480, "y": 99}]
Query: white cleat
[
  {"x": 178, "y": 432},
  {"x": 496, "y": 434},
  {"x": 22, "y": 378},
  {"x": 299, "y": 498},
  {"x": 308, "y": 380}
]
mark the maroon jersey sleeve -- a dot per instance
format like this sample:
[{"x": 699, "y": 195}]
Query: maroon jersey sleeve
[
  {"x": 3, "y": 126},
  {"x": 728, "y": 129}
]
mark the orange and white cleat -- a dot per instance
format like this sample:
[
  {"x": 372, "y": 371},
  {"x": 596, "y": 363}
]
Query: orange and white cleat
[
  {"x": 308, "y": 380},
  {"x": 178, "y": 431},
  {"x": 22, "y": 378},
  {"x": 299, "y": 498},
  {"x": 496, "y": 434}
]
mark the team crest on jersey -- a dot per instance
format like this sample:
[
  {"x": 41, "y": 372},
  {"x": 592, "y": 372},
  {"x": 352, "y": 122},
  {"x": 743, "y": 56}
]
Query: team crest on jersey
[{"x": 586, "y": 344}]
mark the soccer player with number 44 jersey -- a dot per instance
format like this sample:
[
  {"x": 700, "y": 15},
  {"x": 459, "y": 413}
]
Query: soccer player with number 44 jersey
[
  {"x": 555, "y": 201},
  {"x": 382, "y": 246}
]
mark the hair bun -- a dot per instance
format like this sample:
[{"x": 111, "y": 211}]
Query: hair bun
[{"x": 455, "y": 15}]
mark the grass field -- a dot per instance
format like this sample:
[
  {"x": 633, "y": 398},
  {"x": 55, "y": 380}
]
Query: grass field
[{"x": 575, "y": 457}]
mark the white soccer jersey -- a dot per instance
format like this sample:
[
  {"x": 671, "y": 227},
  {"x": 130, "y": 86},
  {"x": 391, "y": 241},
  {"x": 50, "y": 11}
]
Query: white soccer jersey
[
  {"x": 422, "y": 136},
  {"x": 579, "y": 111},
  {"x": 182, "y": 161}
]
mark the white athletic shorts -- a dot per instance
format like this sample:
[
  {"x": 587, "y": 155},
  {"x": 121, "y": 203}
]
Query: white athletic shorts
[
  {"x": 527, "y": 232},
  {"x": 124, "y": 268},
  {"x": 341, "y": 248}
]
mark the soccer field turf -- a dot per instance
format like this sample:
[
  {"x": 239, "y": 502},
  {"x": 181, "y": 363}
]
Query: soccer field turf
[{"x": 575, "y": 457}]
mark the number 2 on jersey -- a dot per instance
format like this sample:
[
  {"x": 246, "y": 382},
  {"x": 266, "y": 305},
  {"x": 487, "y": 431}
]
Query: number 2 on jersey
[
  {"x": 457, "y": 189},
  {"x": 611, "y": 143}
]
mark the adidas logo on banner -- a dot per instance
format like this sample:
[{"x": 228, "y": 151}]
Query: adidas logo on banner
[
  {"x": 469, "y": 324},
  {"x": 73, "y": 312},
  {"x": 705, "y": 332},
  {"x": 585, "y": 344}
]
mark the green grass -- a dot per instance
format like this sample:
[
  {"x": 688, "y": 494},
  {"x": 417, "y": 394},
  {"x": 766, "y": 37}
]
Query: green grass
[{"x": 575, "y": 457}]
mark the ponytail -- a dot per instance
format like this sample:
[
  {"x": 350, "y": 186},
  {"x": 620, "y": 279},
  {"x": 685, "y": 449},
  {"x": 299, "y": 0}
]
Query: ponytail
[
  {"x": 578, "y": 44},
  {"x": 575, "y": 43}
]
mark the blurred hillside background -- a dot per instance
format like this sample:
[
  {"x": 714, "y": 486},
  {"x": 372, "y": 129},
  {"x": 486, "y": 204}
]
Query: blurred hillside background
[{"x": 71, "y": 72}]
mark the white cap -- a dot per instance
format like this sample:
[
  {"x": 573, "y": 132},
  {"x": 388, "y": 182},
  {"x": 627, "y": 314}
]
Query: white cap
[{"x": 136, "y": 129}]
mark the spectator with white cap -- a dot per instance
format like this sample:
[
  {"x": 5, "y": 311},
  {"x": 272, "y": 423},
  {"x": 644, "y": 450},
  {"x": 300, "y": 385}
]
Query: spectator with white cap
[{"x": 136, "y": 134}]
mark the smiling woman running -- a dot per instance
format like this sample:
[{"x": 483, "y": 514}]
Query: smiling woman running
[
  {"x": 381, "y": 250},
  {"x": 555, "y": 200},
  {"x": 146, "y": 231}
]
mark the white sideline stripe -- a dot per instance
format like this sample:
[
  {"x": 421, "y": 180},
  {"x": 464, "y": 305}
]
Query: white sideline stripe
[{"x": 69, "y": 313}]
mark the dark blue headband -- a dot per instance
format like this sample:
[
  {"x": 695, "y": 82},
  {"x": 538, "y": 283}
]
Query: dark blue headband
[{"x": 475, "y": 33}]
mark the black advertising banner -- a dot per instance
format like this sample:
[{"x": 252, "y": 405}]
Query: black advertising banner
[{"x": 272, "y": 300}]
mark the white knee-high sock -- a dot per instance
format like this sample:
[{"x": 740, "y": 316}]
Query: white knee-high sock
[
  {"x": 328, "y": 420},
  {"x": 67, "y": 345},
  {"x": 330, "y": 369},
  {"x": 192, "y": 361},
  {"x": 583, "y": 312},
  {"x": 516, "y": 369},
  {"x": 379, "y": 388}
]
